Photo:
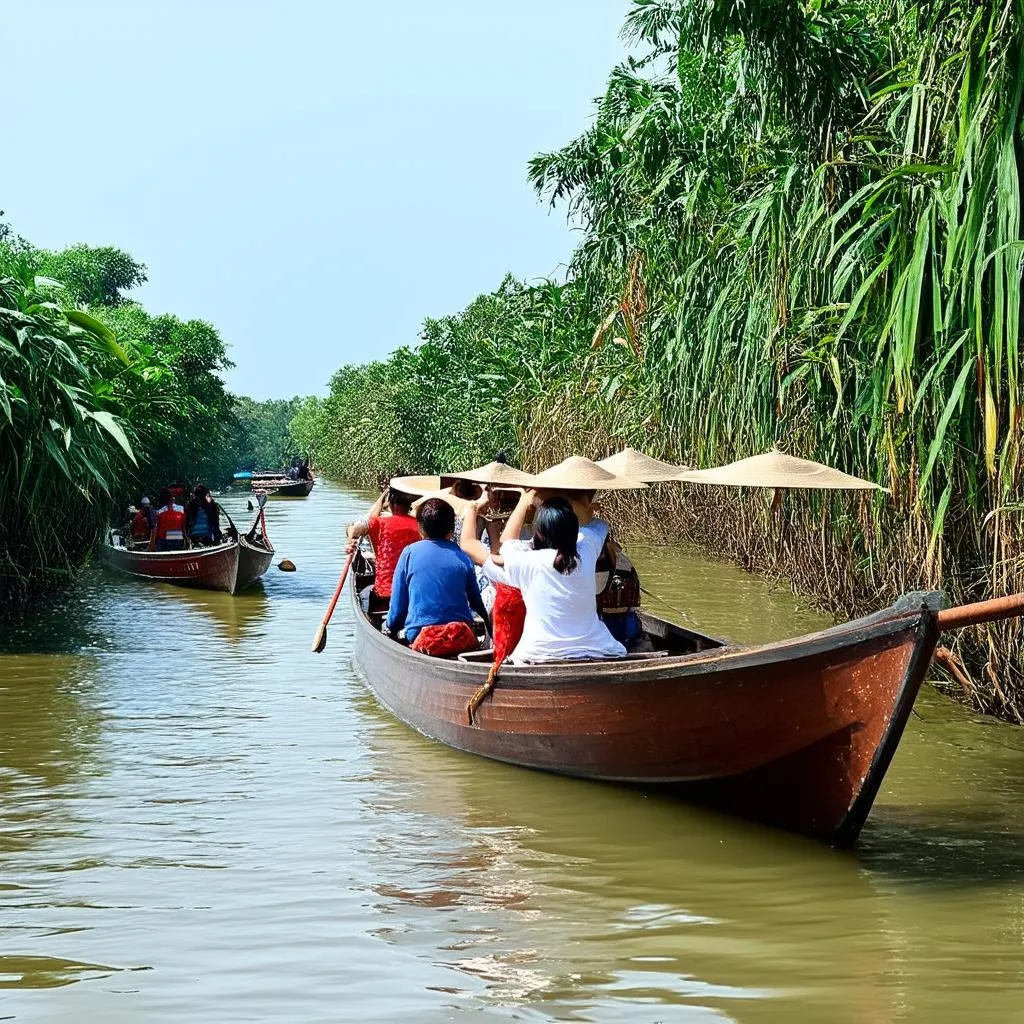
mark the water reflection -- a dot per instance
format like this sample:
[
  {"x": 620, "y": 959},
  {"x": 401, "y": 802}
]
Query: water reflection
[
  {"x": 598, "y": 899},
  {"x": 234, "y": 617},
  {"x": 48, "y": 740},
  {"x": 719, "y": 599},
  {"x": 183, "y": 787},
  {"x": 47, "y": 972},
  {"x": 592, "y": 899}
]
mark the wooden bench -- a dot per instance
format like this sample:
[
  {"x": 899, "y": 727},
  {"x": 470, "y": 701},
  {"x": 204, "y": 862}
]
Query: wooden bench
[{"x": 487, "y": 656}]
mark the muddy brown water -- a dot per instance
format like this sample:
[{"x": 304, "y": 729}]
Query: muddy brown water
[{"x": 202, "y": 821}]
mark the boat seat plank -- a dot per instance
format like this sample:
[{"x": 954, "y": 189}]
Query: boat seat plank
[{"x": 488, "y": 656}]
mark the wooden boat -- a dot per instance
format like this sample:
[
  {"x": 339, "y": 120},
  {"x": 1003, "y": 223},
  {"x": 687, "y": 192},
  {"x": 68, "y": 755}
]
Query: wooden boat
[
  {"x": 797, "y": 734},
  {"x": 231, "y": 566},
  {"x": 283, "y": 487}
]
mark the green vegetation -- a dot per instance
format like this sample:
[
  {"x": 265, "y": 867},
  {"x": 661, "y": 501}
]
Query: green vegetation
[
  {"x": 100, "y": 400},
  {"x": 457, "y": 398},
  {"x": 62, "y": 444},
  {"x": 801, "y": 227},
  {"x": 264, "y": 440}
]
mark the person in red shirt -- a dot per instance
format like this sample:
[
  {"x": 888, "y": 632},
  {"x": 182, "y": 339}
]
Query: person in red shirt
[{"x": 390, "y": 535}]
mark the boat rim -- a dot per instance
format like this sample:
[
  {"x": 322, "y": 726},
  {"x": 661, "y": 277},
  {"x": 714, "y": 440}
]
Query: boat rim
[
  {"x": 904, "y": 614},
  {"x": 177, "y": 553}
]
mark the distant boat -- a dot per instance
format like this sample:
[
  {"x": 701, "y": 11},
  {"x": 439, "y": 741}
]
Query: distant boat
[
  {"x": 284, "y": 487},
  {"x": 276, "y": 483}
]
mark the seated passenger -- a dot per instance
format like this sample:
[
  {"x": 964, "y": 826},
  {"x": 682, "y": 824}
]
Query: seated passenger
[
  {"x": 617, "y": 583},
  {"x": 555, "y": 572},
  {"x": 169, "y": 531},
  {"x": 390, "y": 536},
  {"x": 202, "y": 520},
  {"x": 467, "y": 491},
  {"x": 434, "y": 591},
  {"x": 485, "y": 530},
  {"x": 147, "y": 506},
  {"x": 142, "y": 522},
  {"x": 618, "y": 597}
]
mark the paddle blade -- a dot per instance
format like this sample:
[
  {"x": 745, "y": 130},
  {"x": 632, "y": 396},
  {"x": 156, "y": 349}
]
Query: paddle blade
[
  {"x": 287, "y": 565},
  {"x": 320, "y": 640}
]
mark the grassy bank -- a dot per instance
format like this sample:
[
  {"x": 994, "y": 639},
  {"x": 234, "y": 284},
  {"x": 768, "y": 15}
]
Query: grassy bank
[{"x": 801, "y": 227}]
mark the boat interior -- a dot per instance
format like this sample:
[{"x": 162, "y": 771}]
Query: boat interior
[{"x": 662, "y": 639}]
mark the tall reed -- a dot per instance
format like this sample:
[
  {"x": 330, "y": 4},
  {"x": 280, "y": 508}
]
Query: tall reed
[{"x": 801, "y": 227}]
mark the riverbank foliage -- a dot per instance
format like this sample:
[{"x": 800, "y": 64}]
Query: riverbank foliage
[
  {"x": 99, "y": 400},
  {"x": 801, "y": 227},
  {"x": 264, "y": 437}
]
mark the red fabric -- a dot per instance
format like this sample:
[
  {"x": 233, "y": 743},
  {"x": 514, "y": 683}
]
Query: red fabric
[
  {"x": 390, "y": 535},
  {"x": 170, "y": 521},
  {"x": 443, "y": 641},
  {"x": 508, "y": 617},
  {"x": 140, "y": 526}
]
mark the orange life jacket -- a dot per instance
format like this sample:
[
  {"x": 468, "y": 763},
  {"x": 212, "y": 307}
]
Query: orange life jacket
[
  {"x": 170, "y": 523},
  {"x": 140, "y": 525}
]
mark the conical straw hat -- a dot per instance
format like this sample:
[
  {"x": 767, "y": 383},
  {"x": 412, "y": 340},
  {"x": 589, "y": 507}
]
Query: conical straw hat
[
  {"x": 495, "y": 473},
  {"x": 459, "y": 504},
  {"x": 579, "y": 474},
  {"x": 773, "y": 469},
  {"x": 636, "y": 466},
  {"x": 416, "y": 484}
]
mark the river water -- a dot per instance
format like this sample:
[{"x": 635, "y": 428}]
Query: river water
[{"x": 202, "y": 821}]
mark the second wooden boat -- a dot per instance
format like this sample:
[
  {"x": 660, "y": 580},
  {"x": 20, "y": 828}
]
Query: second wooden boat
[
  {"x": 797, "y": 734},
  {"x": 232, "y": 566}
]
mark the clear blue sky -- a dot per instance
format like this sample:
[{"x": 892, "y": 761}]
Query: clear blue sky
[{"x": 313, "y": 177}]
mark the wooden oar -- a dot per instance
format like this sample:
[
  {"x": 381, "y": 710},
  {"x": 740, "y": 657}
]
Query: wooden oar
[
  {"x": 981, "y": 611},
  {"x": 320, "y": 640},
  {"x": 671, "y": 607}
]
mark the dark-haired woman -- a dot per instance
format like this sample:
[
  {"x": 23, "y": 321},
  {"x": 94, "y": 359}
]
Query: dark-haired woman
[
  {"x": 202, "y": 519},
  {"x": 555, "y": 573}
]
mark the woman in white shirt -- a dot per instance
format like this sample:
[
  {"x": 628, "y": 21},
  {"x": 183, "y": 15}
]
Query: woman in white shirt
[{"x": 555, "y": 573}]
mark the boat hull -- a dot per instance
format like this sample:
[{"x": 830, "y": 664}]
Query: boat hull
[
  {"x": 798, "y": 734},
  {"x": 230, "y": 567},
  {"x": 287, "y": 489},
  {"x": 254, "y": 560}
]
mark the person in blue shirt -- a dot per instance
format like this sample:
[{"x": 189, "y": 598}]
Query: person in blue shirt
[{"x": 435, "y": 585}]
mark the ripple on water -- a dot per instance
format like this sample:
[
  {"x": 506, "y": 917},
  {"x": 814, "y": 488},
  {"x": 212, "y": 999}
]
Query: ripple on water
[{"x": 201, "y": 820}]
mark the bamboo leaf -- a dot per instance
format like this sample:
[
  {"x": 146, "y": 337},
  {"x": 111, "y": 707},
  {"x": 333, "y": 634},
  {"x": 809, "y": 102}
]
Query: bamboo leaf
[
  {"x": 954, "y": 399},
  {"x": 109, "y": 423},
  {"x": 991, "y": 430},
  {"x": 99, "y": 330},
  {"x": 938, "y": 524}
]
